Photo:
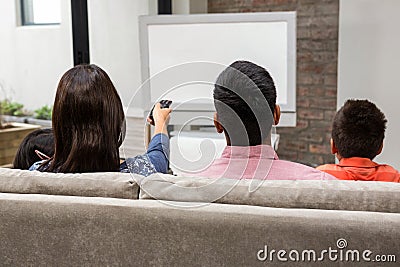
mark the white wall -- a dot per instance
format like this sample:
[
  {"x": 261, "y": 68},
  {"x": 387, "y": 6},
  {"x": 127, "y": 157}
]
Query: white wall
[
  {"x": 33, "y": 58},
  {"x": 114, "y": 41},
  {"x": 369, "y": 62}
]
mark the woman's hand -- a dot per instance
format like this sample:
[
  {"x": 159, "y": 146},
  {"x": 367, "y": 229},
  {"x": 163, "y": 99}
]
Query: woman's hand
[{"x": 161, "y": 119}]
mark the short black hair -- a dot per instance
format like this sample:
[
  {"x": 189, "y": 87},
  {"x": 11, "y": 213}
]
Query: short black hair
[
  {"x": 42, "y": 140},
  {"x": 245, "y": 95},
  {"x": 358, "y": 129}
]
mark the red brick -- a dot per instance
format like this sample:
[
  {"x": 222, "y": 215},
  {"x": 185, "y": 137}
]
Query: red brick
[
  {"x": 323, "y": 103},
  {"x": 304, "y": 56},
  {"x": 295, "y": 145},
  {"x": 330, "y": 80},
  {"x": 305, "y": 2},
  {"x": 320, "y": 125},
  {"x": 310, "y": 68},
  {"x": 327, "y": 8},
  {"x": 329, "y": 114},
  {"x": 315, "y": 45},
  {"x": 304, "y": 21},
  {"x": 313, "y": 114},
  {"x": 303, "y": 32},
  {"x": 319, "y": 149},
  {"x": 331, "y": 92},
  {"x": 302, "y": 91},
  {"x": 309, "y": 79},
  {"x": 305, "y": 10},
  {"x": 285, "y": 154},
  {"x": 309, "y": 20},
  {"x": 317, "y": 92},
  {"x": 310, "y": 91},
  {"x": 301, "y": 124},
  {"x": 325, "y": 21},
  {"x": 324, "y": 33},
  {"x": 303, "y": 102},
  {"x": 312, "y": 160},
  {"x": 301, "y": 146},
  {"x": 327, "y": 137},
  {"x": 324, "y": 57},
  {"x": 329, "y": 159},
  {"x": 331, "y": 68},
  {"x": 304, "y": 79},
  {"x": 309, "y": 136}
]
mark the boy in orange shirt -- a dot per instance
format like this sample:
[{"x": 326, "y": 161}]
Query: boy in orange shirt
[{"x": 357, "y": 137}]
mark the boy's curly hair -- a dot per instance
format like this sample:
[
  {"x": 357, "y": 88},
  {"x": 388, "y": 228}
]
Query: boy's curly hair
[{"x": 359, "y": 129}]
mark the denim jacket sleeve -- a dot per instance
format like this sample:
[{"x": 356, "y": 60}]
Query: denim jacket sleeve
[{"x": 158, "y": 152}]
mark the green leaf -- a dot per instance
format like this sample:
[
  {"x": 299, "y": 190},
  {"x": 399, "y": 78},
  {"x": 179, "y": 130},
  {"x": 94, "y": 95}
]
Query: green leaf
[{"x": 44, "y": 113}]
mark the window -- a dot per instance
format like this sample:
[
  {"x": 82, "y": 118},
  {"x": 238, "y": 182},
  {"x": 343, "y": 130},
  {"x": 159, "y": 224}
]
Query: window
[{"x": 40, "y": 12}]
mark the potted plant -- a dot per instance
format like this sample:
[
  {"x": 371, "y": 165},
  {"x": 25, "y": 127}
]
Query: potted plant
[
  {"x": 42, "y": 116},
  {"x": 13, "y": 111},
  {"x": 11, "y": 133}
]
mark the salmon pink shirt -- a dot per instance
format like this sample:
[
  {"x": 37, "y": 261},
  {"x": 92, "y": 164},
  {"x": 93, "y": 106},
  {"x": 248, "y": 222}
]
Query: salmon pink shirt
[{"x": 258, "y": 162}]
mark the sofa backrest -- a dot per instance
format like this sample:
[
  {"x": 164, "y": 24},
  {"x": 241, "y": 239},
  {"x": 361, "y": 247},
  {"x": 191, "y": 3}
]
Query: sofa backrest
[
  {"x": 113, "y": 184},
  {"x": 80, "y": 231},
  {"x": 327, "y": 195}
]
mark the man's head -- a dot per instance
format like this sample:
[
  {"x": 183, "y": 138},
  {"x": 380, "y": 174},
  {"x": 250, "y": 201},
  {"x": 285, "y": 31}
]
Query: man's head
[
  {"x": 358, "y": 130},
  {"x": 245, "y": 101}
]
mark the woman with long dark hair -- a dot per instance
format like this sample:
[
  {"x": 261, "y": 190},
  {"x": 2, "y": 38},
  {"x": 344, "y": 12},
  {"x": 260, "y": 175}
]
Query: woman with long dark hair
[{"x": 89, "y": 127}]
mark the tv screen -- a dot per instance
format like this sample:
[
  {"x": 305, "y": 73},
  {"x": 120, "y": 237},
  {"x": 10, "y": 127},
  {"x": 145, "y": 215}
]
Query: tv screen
[{"x": 182, "y": 56}]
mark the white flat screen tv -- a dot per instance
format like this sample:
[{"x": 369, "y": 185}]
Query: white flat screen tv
[{"x": 182, "y": 55}]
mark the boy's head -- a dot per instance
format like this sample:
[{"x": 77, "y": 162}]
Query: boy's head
[
  {"x": 245, "y": 101},
  {"x": 32, "y": 148},
  {"x": 358, "y": 130}
]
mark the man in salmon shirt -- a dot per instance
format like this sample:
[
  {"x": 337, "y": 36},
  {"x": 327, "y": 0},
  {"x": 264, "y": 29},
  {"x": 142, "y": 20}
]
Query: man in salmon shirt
[
  {"x": 246, "y": 109},
  {"x": 357, "y": 138}
]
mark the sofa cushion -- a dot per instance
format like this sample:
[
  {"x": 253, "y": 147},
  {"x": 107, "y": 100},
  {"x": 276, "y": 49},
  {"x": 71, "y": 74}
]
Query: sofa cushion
[
  {"x": 331, "y": 195},
  {"x": 111, "y": 184}
]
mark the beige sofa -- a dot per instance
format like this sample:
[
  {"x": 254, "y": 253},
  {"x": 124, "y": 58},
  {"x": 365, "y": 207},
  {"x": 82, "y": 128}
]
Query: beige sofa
[{"x": 113, "y": 219}]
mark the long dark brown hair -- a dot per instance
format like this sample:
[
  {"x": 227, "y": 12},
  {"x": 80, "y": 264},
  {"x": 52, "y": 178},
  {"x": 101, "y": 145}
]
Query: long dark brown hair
[{"x": 88, "y": 122}]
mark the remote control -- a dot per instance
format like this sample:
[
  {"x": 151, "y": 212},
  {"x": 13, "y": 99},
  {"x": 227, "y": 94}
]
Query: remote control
[{"x": 164, "y": 104}]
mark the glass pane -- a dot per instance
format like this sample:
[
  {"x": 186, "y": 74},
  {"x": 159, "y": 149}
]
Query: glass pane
[{"x": 41, "y": 12}]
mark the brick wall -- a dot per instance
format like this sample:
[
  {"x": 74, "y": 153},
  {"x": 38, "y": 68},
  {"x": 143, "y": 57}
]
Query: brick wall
[{"x": 317, "y": 53}]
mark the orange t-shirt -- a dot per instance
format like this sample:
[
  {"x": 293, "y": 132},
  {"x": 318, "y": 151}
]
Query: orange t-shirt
[{"x": 362, "y": 169}]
